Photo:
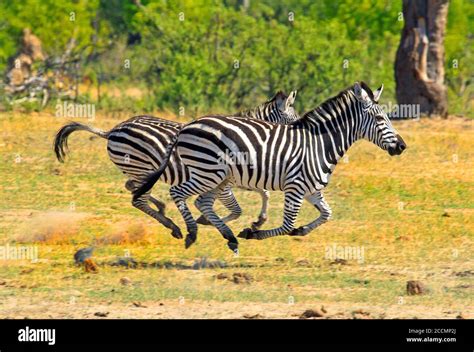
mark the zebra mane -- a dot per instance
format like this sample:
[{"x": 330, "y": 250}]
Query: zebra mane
[{"x": 328, "y": 105}]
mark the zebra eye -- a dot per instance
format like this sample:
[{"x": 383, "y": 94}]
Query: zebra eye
[{"x": 379, "y": 118}]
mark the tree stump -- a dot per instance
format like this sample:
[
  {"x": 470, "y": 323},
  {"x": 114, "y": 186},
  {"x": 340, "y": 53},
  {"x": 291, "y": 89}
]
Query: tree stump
[{"x": 419, "y": 65}]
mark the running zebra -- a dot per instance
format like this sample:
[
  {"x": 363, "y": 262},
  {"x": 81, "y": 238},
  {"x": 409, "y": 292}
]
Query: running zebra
[
  {"x": 297, "y": 159},
  {"x": 137, "y": 147}
]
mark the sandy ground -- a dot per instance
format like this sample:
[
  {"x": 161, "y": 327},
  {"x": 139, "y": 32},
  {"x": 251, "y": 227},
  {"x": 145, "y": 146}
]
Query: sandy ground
[{"x": 167, "y": 309}]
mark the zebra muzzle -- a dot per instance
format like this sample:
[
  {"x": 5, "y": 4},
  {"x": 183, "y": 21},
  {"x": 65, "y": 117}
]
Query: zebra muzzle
[{"x": 399, "y": 147}]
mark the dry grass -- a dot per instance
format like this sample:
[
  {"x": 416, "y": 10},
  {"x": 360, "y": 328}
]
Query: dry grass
[
  {"x": 412, "y": 215},
  {"x": 53, "y": 227}
]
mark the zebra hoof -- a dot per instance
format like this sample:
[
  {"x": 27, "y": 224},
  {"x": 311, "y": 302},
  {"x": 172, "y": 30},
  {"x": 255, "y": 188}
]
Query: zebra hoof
[
  {"x": 254, "y": 235},
  {"x": 245, "y": 233},
  {"x": 249, "y": 234},
  {"x": 233, "y": 246},
  {"x": 176, "y": 233},
  {"x": 300, "y": 231},
  {"x": 257, "y": 224},
  {"x": 190, "y": 239},
  {"x": 203, "y": 221}
]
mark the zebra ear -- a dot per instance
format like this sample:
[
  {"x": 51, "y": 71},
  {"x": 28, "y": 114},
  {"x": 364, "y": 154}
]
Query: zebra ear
[
  {"x": 291, "y": 99},
  {"x": 360, "y": 93},
  {"x": 378, "y": 93}
]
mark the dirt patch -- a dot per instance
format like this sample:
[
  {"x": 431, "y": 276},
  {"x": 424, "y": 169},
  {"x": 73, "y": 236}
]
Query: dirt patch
[
  {"x": 361, "y": 314},
  {"x": 312, "y": 313},
  {"x": 466, "y": 273},
  {"x": 236, "y": 278},
  {"x": 241, "y": 278},
  {"x": 253, "y": 316},
  {"x": 101, "y": 314}
]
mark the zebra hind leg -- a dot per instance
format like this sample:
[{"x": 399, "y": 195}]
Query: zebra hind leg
[
  {"x": 132, "y": 185},
  {"x": 179, "y": 195},
  {"x": 142, "y": 204},
  {"x": 158, "y": 204},
  {"x": 227, "y": 198},
  {"x": 205, "y": 204},
  {"x": 293, "y": 201},
  {"x": 320, "y": 203}
]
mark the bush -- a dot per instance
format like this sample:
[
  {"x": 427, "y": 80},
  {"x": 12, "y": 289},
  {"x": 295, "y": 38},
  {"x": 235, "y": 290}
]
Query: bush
[{"x": 218, "y": 57}]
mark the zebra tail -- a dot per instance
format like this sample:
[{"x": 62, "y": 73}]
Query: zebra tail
[
  {"x": 60, "y": 141},
  {"x": 154, "y": 176}
]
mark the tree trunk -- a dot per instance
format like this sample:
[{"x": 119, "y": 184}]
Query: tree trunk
[{"x": 419, "y": 65}]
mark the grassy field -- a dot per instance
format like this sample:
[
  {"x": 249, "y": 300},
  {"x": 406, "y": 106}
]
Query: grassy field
[{"x": 410, "y": 216}]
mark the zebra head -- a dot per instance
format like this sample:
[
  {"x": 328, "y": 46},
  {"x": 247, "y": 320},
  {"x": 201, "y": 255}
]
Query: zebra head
[
  {"x": 279, "y": 109},
  {"x": 376, "y": 126},
  {"x": 284, "y": 104}
]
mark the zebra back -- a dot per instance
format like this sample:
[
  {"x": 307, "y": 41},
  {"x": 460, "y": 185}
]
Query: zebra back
[{"x": 138, "y": 146}]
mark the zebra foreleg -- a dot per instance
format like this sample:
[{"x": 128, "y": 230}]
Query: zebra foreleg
[
  {"x": 293, "y": 201},
  {"x": 205, "y": 204},
  {"x": 227, "y": 198},
  {"x": 320, "y": 203},
  {"x": 263, "y": 212}
]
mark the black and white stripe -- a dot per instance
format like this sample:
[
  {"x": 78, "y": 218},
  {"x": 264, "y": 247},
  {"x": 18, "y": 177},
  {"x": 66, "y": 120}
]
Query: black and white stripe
[
  {"x": 138, "y": 146},
  {"x": 297, "y": 159}
]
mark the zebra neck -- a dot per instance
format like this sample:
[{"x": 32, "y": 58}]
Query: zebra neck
[{"x": 334, "y": 127}]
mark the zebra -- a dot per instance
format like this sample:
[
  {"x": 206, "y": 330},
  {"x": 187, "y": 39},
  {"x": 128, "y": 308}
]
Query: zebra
[
  {"x": 137, "y": 147},
  {"x": 297, "y": 158}
]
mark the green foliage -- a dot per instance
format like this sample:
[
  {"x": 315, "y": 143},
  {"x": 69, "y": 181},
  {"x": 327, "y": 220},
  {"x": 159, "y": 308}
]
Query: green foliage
[
  {"x": 221, "y": 57},
  {"x": 54, "y": 22},
  {"x": 216, "y": 56},
  {"x": 459, "y": 42}
]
